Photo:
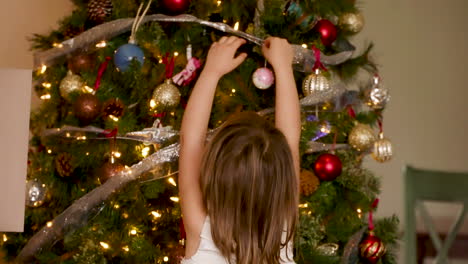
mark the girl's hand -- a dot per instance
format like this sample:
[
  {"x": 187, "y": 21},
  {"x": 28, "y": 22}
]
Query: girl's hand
[
  {"x": 220, "y": 59},
  {"x": 278, "y": 52}
]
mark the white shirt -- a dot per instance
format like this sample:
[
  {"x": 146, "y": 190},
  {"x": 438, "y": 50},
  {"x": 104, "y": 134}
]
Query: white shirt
[{"x": 208, "y": 253}]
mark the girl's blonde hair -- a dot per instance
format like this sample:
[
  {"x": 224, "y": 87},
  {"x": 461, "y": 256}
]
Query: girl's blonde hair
[{"x": 250, "y": 190}]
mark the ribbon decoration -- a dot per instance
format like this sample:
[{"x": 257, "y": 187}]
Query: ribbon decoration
[
  {"x": 351, "y": 112},
  {"x": 318, "y": 64},
  {"x": 169, "y": 65},
  {"x": 108, "y": 133},
  {"x": 371, "y": 220},
  {"x": 102, "y": 69},
  {"x": 380, "y": 122},
  {"x": 189, "y": 73}
]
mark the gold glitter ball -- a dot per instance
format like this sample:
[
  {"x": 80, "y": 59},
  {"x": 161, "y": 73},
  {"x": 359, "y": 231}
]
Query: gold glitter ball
[
  {"x": 166, "y": 95},
  {"x": 353, "y": 22},
  {"x": 71, "y": 83},
  {"x": 361, "y": 137}
]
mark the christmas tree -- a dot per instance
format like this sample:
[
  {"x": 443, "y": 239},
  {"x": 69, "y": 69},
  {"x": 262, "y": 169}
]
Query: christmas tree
[{"x": 114, "y": 79}]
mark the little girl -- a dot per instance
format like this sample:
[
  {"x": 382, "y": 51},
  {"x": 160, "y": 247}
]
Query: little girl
[{"x": 239, "y": 194}]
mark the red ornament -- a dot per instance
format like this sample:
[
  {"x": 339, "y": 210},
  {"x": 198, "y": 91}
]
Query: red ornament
[
  {"x": 327, "y": 167},
  {"x": 327, "y": 31},
  {"x": 176, "y": 7},
  {"x": 371, "y": 248}
]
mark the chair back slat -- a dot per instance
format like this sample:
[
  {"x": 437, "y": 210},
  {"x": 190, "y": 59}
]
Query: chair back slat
[{"x": 430, "y": 185}]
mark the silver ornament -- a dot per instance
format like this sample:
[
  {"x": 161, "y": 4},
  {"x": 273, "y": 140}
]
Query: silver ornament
[
  {"x": 165, "y": 95},
  {"x": 361, "y": 137},
  {"x": 328, "y": 249},
  {"x": 376, "y": 95},
  {"x": 71, "y": 83},
  {"x": 353, "y": 22},
  {"x": 383, "y": 150},
  {"x": 316, "y": 82},
  {"x": 35, "y": 193}
]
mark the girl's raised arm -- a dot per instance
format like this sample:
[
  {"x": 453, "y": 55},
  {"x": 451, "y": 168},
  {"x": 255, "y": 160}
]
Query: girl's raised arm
[
  {"x": 220, "y": 60},
  {"x": 287, "y": 112}
]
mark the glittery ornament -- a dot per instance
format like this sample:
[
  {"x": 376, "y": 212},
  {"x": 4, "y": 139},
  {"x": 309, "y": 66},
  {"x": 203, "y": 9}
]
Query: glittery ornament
[
  {"x": 327, "y": 31},
  {"x": 315, "y": 83},
  {"x": 353, "y": 22},
  {"x": 71, "y": 83},
  {"x": 371, "y": 248},
  {"x": 36, "y": 193},
  {"x": 166, "y": 95},
  {"x": 382, "y": 150},
  {"x": 294, "y": 10},
  {"x": 64, "y": 164},
  {"x": 376, "y": 95},
  {"x": 99, "y": 10},
  {"x": 328, "y": 249},
  {"x": 81, "y": 62},
  {"x": 124, "y": 55},
  {"x": 327, "y": 167},
  {"x": 113, "y": 108},
  {"x": 361, "y": 137},
  {"x": 263, "y": 78},
  {"x": 86, "y": 108},
  {"x": 109, "y": 170},
  {"x": 308, "y": 182}
]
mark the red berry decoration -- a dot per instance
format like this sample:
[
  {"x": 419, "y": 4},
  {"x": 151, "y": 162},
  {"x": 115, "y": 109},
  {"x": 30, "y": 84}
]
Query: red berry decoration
[
  {"x": 371, "y": 248},
  {"x": 176, "y": 7},
  {"x": 327, "y": 31},
  {"x": 327, "y": 167}
]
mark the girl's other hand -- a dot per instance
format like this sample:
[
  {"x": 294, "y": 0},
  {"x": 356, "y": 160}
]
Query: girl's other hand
[
  {"x": 221, "y": 56},
  {"x": 278, "y": 52}
]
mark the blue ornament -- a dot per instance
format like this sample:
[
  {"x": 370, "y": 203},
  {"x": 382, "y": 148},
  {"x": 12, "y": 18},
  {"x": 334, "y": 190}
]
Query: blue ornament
[
  {"x": 124, "y": 55},
  {"x": 294, "y": 10}
]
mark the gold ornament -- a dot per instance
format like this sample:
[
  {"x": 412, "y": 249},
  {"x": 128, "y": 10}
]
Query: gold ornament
[
  {"x": 353, "y": 22},
  {"x": 383, "y": 150},
  {"x": 165, "y": 95},
  {"x": 315, "y": 82},
  {"x": 36, "y": 193},
  {"x": 376, "y": 96},
  {"x": 308, "y": 182},
  {"x": 361, "y": 137},
  {"x": 71, "y": 83}
]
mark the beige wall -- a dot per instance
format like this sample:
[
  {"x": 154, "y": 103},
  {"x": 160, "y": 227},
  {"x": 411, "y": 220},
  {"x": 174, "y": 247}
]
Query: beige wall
[
  {"x": 421, "y": 47},
  {"x": 19, "y": 19}
]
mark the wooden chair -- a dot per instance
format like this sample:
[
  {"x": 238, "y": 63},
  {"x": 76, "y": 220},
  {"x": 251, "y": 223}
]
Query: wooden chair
[{"x": 432, "y": 185}]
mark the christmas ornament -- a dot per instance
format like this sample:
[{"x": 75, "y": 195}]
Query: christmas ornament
[
  {"x": 86, "y": 108},
  {"x": 175, "y": 7},
  {"x": 371, "y": 248},
  {"x": 382, "y": 150},
  {"x": 188, "y": 74},
  {"x": 376, "y": 95},
  {"x": 308, "y": 182},
  {"x": 109, "y": 170},
  {"x": 71, "y": 32},
  {"x": 327, "y": 31},
  {"x": 64, "y": 164},
  {"x": 166, "y": 95},
  {"x": 327, "y": 167},
  {"x": 155, "y": 134},
  {"x": 316, "y": 82},
  {"x": 324, "y": 129},
  {"x": 263, "y": 78},
  {"x": 294, "y": 10},
  {"x": 81, "y": 62},
  {"x": 99, "y": 10},
  {"x": 353, "y": 22},
  {"x": 70, "y": 84},
  {"x": 361, "y": 137},
  {"x": 328, "y": 249},
  {"x": 35, "y": 193},
  {"x": 124, "y": 55},
  {"x": 113, "y": 108}
]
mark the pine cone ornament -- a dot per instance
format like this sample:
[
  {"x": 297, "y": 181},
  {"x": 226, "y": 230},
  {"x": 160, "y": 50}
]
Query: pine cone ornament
[
  {"x": 71, "y": 32},
  {"x": 99, "y": 10},
  {"x": 309, "y": 182},
  {"x": 113, "y": 108},
  {"x": 64, "y": 164}
]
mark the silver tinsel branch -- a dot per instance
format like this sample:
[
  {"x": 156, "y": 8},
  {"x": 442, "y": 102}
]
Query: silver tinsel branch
[
  {"x": 79, "y": 213},
  {"x": 303, "y": 61}
]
